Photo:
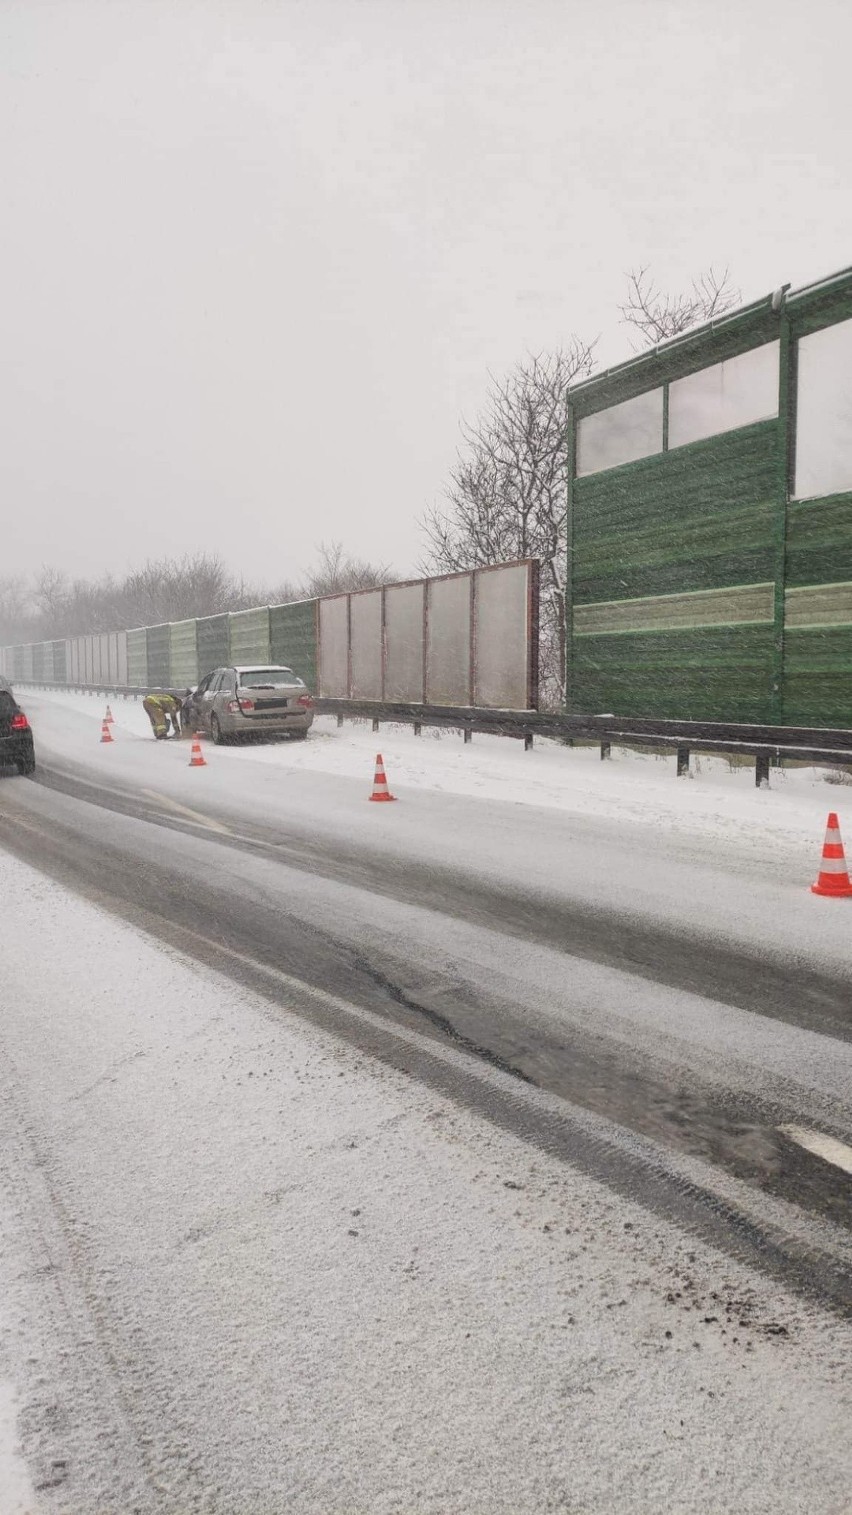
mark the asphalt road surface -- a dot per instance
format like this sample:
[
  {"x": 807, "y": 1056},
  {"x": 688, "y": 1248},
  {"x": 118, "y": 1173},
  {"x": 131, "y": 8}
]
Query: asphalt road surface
[
  {"x": 688, "y": 1074},
  {"x": 194, "y": 881}
]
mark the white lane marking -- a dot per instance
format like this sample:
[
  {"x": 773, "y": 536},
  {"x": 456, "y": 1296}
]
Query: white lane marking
[
  {"x": 826, "y": 1147},
  {"x": 193, "y": 815}
]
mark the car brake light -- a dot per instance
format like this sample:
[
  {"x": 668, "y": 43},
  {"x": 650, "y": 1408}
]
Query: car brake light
[
  {"x": 233, "y": 707},
  {"x": 305, "y": 699},
  {"x": 245, "y": 704},
  {"x": 20, "y": 722}
]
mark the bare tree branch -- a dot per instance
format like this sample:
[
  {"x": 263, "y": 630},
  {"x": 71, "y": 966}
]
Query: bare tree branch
[{"x": 656, "y": 315}]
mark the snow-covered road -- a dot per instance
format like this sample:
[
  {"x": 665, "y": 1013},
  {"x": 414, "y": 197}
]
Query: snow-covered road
[
  {"x": 551, "y": 1028},
  {"x": 246, "y": 1269},
  {"x": 710, "y": 854}
]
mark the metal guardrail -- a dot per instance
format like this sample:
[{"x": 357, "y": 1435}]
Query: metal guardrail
[
  {"x": 822, "y": 747},
  {"x": 768, "y": 745}
]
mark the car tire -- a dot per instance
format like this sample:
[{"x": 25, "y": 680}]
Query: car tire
[
  {"x": 26, "y": 767},
  {"x": 216, "y": 731},
  {"x": 298, "y": 736}
]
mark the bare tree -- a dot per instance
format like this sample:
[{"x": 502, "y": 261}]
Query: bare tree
[
  {"x": 656, "y": 315},
  {"x": 15, "y": 611},
  {"x": 51, "y": 598},
  {"x": 507, "y": 496},
  {"x": 165, "y": 589},
  {"x": 338, "y": 571},
  {"x": 335, "y": 572},
  {"x": 177, "y": 589}
]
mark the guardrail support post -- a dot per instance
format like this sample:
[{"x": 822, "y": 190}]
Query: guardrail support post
[
  {"x": 606, "y": 751},
  {"x": 418, "y": 729},
  {"x": 761, "y": 770},
  {"x": 528, "y": 741},
  {"x": 468, "y": 735},
  {"x": 375, "y": 723},
  {"x": 340, "y": 720},
  {"x": 683, "y": 762}
]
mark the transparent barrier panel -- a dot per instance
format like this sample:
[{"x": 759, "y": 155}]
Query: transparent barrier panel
[
  {"x": 404, "y": 638},
  {"x": 121, "y": 676},
  {"x": 334, "y": 647},
  {"x": 159, "y": 661},
  {"x": 365, "y": 637},
  {"x": 137, "y": 658},
  {"x": 249, "y": 636},
  {"x": 213, "y": 643},
  {"x": 448, "y": 641},
  {"x": 184, "y": 654},
  {"x": 293, "y": 638},
  {"x": 502, "y": 668},
  {"x": 106, "y": 670}
]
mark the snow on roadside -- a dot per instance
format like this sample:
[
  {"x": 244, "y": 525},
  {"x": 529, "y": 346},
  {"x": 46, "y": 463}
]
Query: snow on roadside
[
  {"x": 712, "y": 857},
  {"x": 718, "y": 800},
  {"x": 325, "y": 1288},
  {"x": 16, "y": 1492}
]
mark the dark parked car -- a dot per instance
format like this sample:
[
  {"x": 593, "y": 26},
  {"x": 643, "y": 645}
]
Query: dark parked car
[
  {"x": 16, "y": 737},
  {"x": 231, "y": 703}
]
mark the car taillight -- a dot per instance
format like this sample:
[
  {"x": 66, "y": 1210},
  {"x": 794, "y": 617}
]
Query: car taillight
[
  {"x": 20, "y": 722},
  {"x": 233, "y": 707},
  {"x": 245, "y": 704},
  {"x": 305, "y": 699}
]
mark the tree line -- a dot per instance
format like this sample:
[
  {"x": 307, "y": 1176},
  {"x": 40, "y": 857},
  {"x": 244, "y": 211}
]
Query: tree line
[{"x": 55, "y": 606}]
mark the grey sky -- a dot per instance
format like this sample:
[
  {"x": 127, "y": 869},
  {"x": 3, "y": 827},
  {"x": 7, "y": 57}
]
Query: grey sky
[{"x": 258, "y": 255}]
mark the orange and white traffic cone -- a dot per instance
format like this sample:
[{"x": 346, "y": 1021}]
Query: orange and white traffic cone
[
  {"x": 106, "y": 734},
  {"x": 833, "y": 874},
  {"x": 109, "y": 718},
  {"x": 380, "y": 783},
  {"x": 196, "y": 756}
]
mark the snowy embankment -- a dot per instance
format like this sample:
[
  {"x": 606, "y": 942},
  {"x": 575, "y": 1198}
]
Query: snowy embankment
[
  {"x": 246, "y": 1268},
  {"x": 709, "y": 854}
]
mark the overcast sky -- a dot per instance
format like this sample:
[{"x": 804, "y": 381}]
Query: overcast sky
[{"x": 257, "y": 256}]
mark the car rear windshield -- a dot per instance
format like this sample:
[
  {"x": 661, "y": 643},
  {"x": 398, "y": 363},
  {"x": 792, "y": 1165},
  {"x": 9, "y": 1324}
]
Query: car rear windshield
[{"x": 269, "y": 678}]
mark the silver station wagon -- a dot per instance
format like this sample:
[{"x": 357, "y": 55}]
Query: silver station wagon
[{"x": 232, "y": 703}]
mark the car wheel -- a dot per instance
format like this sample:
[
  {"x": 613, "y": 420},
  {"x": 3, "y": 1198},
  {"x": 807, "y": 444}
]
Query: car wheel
[
  {"x": 216, "y": 731},
  {"x": 298, "y": 736},
  {"x": 26, "y": 766}
]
